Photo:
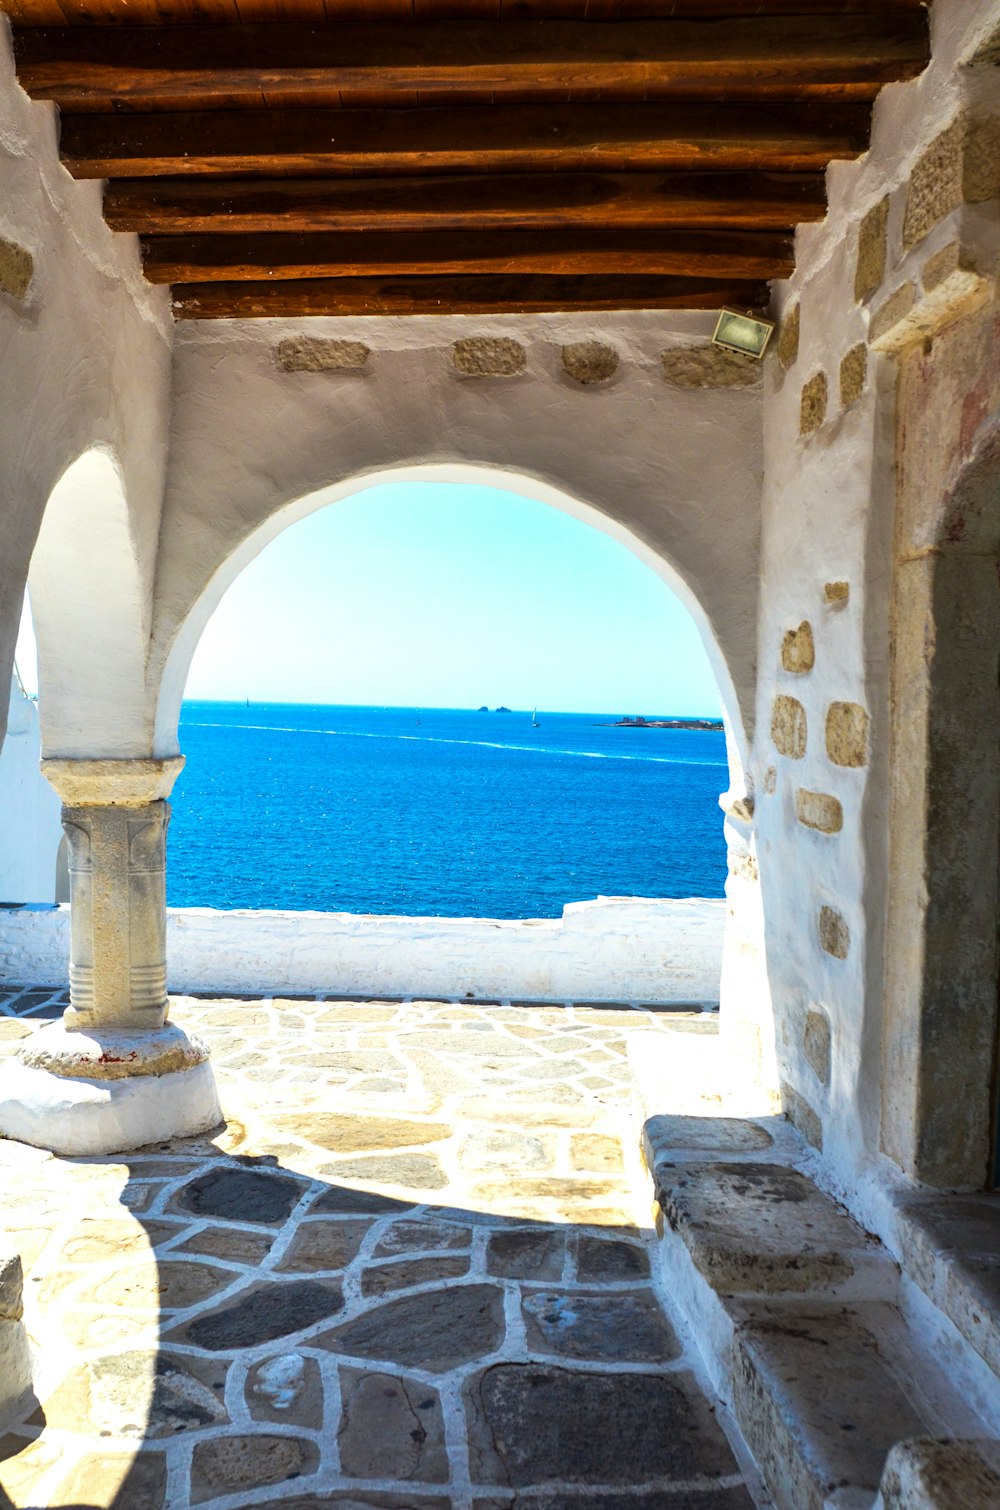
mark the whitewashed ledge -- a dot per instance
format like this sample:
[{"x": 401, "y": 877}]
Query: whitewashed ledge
[{"x": 611, "y": 949}]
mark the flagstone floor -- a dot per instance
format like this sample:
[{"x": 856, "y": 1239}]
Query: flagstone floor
[{"x": 411, "y": 1273}]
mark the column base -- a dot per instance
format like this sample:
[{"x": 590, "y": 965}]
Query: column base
[{"x": 107, "y": 1092}]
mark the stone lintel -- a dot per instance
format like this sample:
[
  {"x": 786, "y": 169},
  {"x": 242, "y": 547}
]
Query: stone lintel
[{"x": 112, "y": 783}]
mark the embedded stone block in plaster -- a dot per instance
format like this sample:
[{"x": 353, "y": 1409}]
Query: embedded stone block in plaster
[
  {"x": 889, "y": 313},
  {"x": 812, "y": 408},
  {"x": 51, "y": 1097},
  {"x": 789, "y": 727},
  {"x": 847, "y": 734},
  {"x": 320, "y": 354},
  {"x": 798, "y": 650},
  {"x": 17, "y": 267},
  {"x": 801, "y": 1115},
  {"x": 787, "y": 345},
  {"x": 834, "y": 933},
  {"x": 707, "y": 366},
  {"x": 853, "y": 372},
  {"x": 837, "y": 593},
  {"x": 935, "y": 186},
  {"x": 489, "y": 356},
  {"x": 819, "y": 810},
  {"x": 770, "y": 781},
  {"x": 909, "y": 316},
  {"x": 961, "y": 165},
  {"x": 590, "y": 361},
  {"x": 869, "y": 268},
  {"x": 816, "y": 1044},
  {"x": 934, "y": 1474}
]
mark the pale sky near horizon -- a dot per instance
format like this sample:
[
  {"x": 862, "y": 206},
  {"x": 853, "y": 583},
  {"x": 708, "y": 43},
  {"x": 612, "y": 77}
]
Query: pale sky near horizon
[{"x": 430, "y": 594}]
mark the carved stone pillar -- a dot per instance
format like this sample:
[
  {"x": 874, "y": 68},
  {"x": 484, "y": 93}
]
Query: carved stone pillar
[{"x": 113, "y": 1074}]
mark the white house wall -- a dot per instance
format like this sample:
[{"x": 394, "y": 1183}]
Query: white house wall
[
  {"x": 86, "y": 364},
  {"x": 30, "y": 830}
]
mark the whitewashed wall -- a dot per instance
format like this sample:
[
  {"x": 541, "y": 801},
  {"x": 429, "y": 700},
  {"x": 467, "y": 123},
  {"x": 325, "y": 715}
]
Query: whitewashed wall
[
  {"x": 30, "y": 830},
  {"x": 611, "y": 949}
]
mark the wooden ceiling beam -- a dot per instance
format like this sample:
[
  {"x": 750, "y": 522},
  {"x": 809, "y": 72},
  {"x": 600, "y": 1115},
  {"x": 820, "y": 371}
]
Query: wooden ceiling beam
[
  {"x": 724, "y": 254},
  {"x": 81, "y": 13},
  {"x": 230, "y": 67},
  {"x": 497, "y": 138},
  {"x": 455, "y": 295},
  {"x": 752, "y": 201}
]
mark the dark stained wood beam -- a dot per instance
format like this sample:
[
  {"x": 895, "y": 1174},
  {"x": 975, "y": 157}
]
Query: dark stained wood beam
[
  {"x": 172, "y": 12},
  {"x": 751, "y": 201},
  {"x": 504, "y": 138},
  {"x": 726, "y": 254},
  {"x": 472, "y": 295},
  {"x": 229, "y": 67}
]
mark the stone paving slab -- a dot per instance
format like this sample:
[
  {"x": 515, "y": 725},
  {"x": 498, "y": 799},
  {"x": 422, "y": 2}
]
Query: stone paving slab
[{"x": 412, "y": 1272}]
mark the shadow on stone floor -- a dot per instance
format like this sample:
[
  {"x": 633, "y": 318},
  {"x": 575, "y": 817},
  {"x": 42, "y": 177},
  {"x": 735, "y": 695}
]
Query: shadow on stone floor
[{"x": 248, "y": 1328}]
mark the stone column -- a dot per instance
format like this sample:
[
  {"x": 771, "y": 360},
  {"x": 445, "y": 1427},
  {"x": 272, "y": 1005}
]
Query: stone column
[{"x": 113, "y": 1074}]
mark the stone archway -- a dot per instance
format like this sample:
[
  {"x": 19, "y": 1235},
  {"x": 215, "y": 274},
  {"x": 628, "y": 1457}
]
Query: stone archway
[{"x": 748, "y": 1027}]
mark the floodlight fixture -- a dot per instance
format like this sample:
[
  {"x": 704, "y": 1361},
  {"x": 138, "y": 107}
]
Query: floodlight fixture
[{"x": 747, "y": 334}]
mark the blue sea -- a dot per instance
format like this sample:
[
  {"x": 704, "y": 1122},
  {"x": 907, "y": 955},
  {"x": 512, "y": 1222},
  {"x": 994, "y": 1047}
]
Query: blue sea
[{"x": 433, "y": 811}]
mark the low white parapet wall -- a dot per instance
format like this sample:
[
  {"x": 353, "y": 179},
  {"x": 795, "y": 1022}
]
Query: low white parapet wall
[{"x": 611, "y": 949}]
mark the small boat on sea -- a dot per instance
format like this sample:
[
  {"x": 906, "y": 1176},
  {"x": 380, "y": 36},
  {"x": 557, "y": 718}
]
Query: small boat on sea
[{"x": 534, "y": 719}]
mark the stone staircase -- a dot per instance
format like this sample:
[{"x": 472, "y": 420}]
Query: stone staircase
[{"x": 849, "y": 1390}]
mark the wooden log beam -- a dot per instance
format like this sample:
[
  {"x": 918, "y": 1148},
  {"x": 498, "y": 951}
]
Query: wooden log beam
[
  {"x": 468, "y": 295},
  {"x": 496, "y": 138},
  {"x": 748, "y": 201},
  {"x": 81, "y": 13},
  {"x": 723, "y": 254},
  {"x": 229, "y": 67}
]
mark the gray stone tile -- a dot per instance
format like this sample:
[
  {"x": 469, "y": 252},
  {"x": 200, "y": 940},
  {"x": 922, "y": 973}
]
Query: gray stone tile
[
  {"x": 262, "y": 1313},
  {"x": 531, "y": 1424},
  {"x": 391, "y": 1427},
  {"x": 527, "y": 1254},
  {"x": 602, "y": 1327},
  {"x": 609, "y": 1258},
  {"x": 436, "y": 1331},
  {"x": 240, "y": 1195}
]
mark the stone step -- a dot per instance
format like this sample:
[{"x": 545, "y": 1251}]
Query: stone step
[
  {"x": 797, "y": 1310},
  {"x": 927, "y": 1474},
  {"x": 821, "y": 1396},
  {"x": 950, "y": 1247},
  {"x": 762, "y": 1228}
]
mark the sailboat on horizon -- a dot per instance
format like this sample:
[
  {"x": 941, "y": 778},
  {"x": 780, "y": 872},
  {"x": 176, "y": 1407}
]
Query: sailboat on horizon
[{"x": 534, "y": 719}]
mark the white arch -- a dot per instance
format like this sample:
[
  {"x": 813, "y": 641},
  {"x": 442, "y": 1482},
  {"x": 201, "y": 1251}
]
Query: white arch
[
  {"x": 181, "y": 652},
  {"x": 90, "y": 610}
]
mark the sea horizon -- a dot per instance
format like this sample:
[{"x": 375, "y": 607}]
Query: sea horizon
[{"x": 415, "y": 810}]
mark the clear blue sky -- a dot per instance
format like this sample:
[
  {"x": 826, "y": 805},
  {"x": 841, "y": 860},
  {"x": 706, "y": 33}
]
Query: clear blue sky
[{"x": 446, "y": 595}]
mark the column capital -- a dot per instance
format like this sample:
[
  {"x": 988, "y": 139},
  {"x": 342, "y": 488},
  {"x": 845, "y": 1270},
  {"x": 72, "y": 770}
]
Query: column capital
[{"x": 112, "y": 783}]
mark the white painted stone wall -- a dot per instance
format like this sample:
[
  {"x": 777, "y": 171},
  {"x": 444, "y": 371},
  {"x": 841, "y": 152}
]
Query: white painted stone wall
[
  {"x": 30, "y": 830},
  {"x": 611, "y": 949},
  {"x": 85, "y": 370},
  {"x": 828, "y": 510}
]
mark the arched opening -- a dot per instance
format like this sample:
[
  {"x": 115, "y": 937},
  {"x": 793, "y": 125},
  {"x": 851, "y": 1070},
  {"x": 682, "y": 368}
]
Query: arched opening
[
  {"x": 747, "y": 1032},
  {"x": 383, "y": 643}
]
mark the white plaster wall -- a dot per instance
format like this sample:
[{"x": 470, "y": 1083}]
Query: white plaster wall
[
  {"x": 86, "y": 365},
  {"x": 828, "y": 515},
  {"x": 612, "y": 949},
  {"x": 30, "y": 830},
  {"x": 673, "y": 473}
]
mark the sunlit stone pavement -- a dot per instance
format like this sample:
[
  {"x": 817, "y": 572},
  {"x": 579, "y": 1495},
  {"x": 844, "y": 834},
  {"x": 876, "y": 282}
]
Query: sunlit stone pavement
[{"x": 412, "y": 1271}]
